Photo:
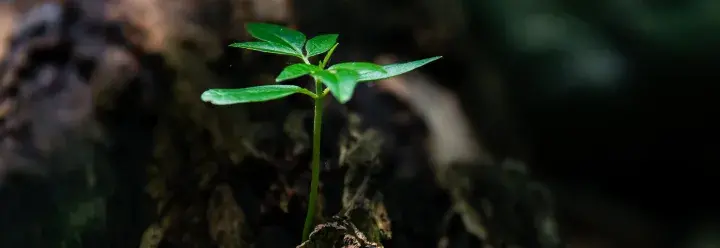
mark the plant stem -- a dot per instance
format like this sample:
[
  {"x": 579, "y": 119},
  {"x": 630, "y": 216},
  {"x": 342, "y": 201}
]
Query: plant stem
[{"x": 314, "y": 183}]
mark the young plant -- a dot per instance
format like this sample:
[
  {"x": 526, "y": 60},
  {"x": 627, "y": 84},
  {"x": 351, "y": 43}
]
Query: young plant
[{"x": 340, "y": 80}]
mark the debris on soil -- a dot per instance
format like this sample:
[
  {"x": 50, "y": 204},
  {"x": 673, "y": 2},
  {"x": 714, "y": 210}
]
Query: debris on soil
[
  {"x": 339, "y": 232},
  {"x": 497, "y": 201}
]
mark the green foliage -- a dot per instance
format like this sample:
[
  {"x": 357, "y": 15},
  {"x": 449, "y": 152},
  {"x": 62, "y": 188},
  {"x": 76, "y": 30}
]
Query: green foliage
[
  {"x": 251, "y": 94},
  {"x": 327, "y": 56},
  {"x": 395, "y": 69},
  {"x": 266, "y": 47},
  {"x": 320, "y": 44},
  {"x": 359, "y": 67},
  {"x": 340, "y": 80},
  {"x": 296, "y": 71},
  {"x": 278, "y": 35}
]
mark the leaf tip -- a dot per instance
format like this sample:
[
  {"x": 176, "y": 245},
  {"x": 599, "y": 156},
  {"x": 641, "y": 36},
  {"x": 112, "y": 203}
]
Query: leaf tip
[
  {"x": 208, "y": 95},
  {"x": 431, "y": 59},
  {"x": 343, "y": 100}
]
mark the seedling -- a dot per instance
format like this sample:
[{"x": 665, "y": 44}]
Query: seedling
[{"x": 339, "y": 79}]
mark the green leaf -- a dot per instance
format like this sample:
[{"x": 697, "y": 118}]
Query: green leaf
[
  {"x": 277, "y": 34},
  {"x": 295, "y": 71},
  {"x": 359, "y": 67},
  {"x": 267, "y": 47},
  {"x": 396, "y": 69},
  {"x": 341, "y": 82},
  {"x": 320, "y": 44},
  {"x": 250, "y": 94}
]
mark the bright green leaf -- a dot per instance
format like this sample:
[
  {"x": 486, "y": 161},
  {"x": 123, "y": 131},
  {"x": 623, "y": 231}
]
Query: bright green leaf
[
  {"x": 277, "y": 34},
  {"x": 267, "y": 47},
  {"x": 295, "y": 71},
  {"x": 341, "y": 82},
  {"x": 320, "y": 44},
  {"x": 396, "y": 69},
  {"x": 359, "y": 67},
  {"x": 250, "y": 94}
]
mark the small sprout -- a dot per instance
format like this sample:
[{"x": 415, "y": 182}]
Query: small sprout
[{"x": 340, "y": 80}]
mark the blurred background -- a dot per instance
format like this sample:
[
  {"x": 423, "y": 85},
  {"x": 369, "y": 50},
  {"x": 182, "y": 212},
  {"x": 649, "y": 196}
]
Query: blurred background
[{"x": 547, "y": 123}]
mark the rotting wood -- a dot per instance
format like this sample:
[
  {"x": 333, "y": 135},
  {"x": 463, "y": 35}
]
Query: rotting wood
[{"x": 484, "y": 191}]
